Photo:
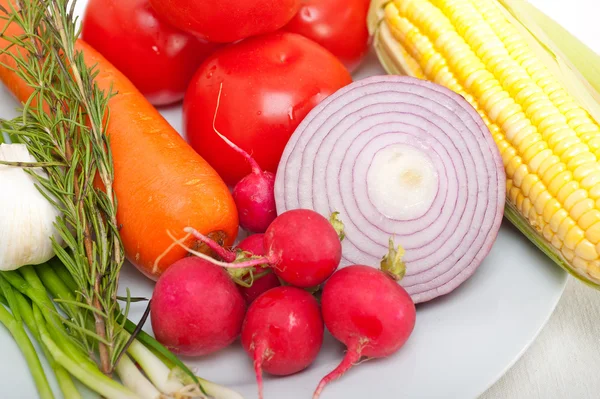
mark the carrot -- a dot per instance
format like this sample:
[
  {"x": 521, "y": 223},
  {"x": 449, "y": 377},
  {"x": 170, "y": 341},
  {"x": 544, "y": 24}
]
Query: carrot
[{"x": 161, "y": 183}]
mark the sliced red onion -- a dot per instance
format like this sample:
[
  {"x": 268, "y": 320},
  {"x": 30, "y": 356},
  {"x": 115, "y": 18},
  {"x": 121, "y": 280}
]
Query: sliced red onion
[{"x": 403, "y": 158}]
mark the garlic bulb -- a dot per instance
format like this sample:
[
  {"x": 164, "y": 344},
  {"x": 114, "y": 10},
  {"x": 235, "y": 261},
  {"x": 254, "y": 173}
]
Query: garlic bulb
[{"x": 26, "y": 216}]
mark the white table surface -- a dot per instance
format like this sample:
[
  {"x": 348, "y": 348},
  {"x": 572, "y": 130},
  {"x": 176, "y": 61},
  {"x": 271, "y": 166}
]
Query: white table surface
[{"x": 564, "y": 361}]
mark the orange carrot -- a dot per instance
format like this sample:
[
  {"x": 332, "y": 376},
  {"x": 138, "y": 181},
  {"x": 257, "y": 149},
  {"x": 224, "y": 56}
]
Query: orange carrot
[{"x": 161, "y": 183}]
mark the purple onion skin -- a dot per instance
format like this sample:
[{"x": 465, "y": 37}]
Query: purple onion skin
[{"x": 254, "y": 197}]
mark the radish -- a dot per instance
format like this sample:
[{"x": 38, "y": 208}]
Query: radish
[
  {"x": 253, "y": 244},
  {"x": 368, "y": 311},
  {"x": 254, "y": 195},
  {"x": 196, "y": 308},
  {"x": 263, "y": 280},
  {"x": 250, "y": 286},
  {"x": 301, "y": 246},
  {"x": 282, "y": 332}
]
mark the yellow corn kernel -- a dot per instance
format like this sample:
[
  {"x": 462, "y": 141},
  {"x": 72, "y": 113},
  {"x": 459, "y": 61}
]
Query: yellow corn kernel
[{"x": 549, "y": 144}]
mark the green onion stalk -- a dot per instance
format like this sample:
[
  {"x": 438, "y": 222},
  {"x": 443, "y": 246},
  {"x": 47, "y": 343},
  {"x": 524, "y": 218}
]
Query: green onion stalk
[{"x": 69, "y": 304}]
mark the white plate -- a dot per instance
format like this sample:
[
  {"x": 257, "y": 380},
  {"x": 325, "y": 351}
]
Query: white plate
[{"x": 462, "y": 342}]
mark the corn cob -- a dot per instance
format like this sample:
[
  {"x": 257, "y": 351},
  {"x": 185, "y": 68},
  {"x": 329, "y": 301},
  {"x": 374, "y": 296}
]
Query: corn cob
[{"x": 548, "y": 135}]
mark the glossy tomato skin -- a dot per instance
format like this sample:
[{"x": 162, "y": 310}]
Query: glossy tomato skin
[
  {"x": 270, "y": 83},
  {"x": 227, "y": 21},
  {"x": 159, "y": 59},
  {"x": 338, "y": 25}
]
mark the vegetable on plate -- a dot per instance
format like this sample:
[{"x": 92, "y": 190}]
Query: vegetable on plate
[
  {"x": 368, "y": 311},
  {"x": 543, "y": 114},
  {"x": 27, "y": 222},
  {"x": 69, "y": 304},
  {"x": 282, "y": 332},
  {"x": 227, "y": 21},
  {"x": 158, "y": 58},
  {"x": 161, "y": 183},
  {"x": 261, "y": 279},
  {"x": 254, "y": 195},
  {"x": 196, "y": 308},
  {"x": 269, "y": 84},
  {"x": 338, "y": 25},
  {"x": 301, "y": 246},
  {"x": 404, "y": 158}
]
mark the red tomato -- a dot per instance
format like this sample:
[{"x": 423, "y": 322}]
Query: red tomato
[
  {"x": 159, "y": 59},
  {"x": 338, "y": 25},
  {"x": 227, "y": 21},
  {"x": 270, "y": 83}
]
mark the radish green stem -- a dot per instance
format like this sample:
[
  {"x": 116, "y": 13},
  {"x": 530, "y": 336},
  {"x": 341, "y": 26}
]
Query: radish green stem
[
  {"x": 392, "y": 263},
  {"x": 256, "y": 169},
  {"x": 224, "y": 254},
  {"x": 338, "y": 225},
  {"x": 35, "y": 366},
  {"x": 133, "y": 379}
]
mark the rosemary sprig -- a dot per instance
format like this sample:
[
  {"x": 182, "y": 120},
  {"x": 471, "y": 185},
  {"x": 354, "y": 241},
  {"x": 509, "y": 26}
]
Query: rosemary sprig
[{"x": 63, "y": 125}]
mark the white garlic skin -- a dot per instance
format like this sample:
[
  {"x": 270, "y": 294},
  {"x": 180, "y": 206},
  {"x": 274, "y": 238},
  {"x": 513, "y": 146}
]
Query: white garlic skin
[{"x": 26, "y": 216}]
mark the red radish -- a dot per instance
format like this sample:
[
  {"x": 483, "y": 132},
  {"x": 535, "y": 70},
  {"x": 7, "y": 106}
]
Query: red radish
[
  {"x": 253, "y": 244},
  {"x": 282, "y": 332},
  {"x": 254, "y": 195},
  {"x": 261, "y": 284},
  {"x": 264, "y": 279},
  {"x": 368, "y": 311},
  {"x": 301, "y": 246},
  {"x": 196, "y": 308}
]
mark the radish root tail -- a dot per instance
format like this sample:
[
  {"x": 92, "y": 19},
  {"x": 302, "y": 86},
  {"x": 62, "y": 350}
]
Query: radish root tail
[
  {"x": 169, "y": 248},
  {"x": 259, "y": 354},
  {"x": 351, "y": 358}
]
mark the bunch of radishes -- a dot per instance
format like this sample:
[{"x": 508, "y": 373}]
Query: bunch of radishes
[{"x": 197, "y": 308}]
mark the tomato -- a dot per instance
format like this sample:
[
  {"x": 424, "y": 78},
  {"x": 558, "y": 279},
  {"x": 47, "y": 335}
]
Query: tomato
[
  {"x": 338, "y": 25},
  {"x": 226, "y": 21},
  {"x": 270, "y": 83},
  {"x": 159, "y": 59}
]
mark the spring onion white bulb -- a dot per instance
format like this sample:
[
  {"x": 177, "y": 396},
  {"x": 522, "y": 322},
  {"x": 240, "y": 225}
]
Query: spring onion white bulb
[{"x": 26, "y": 216}]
